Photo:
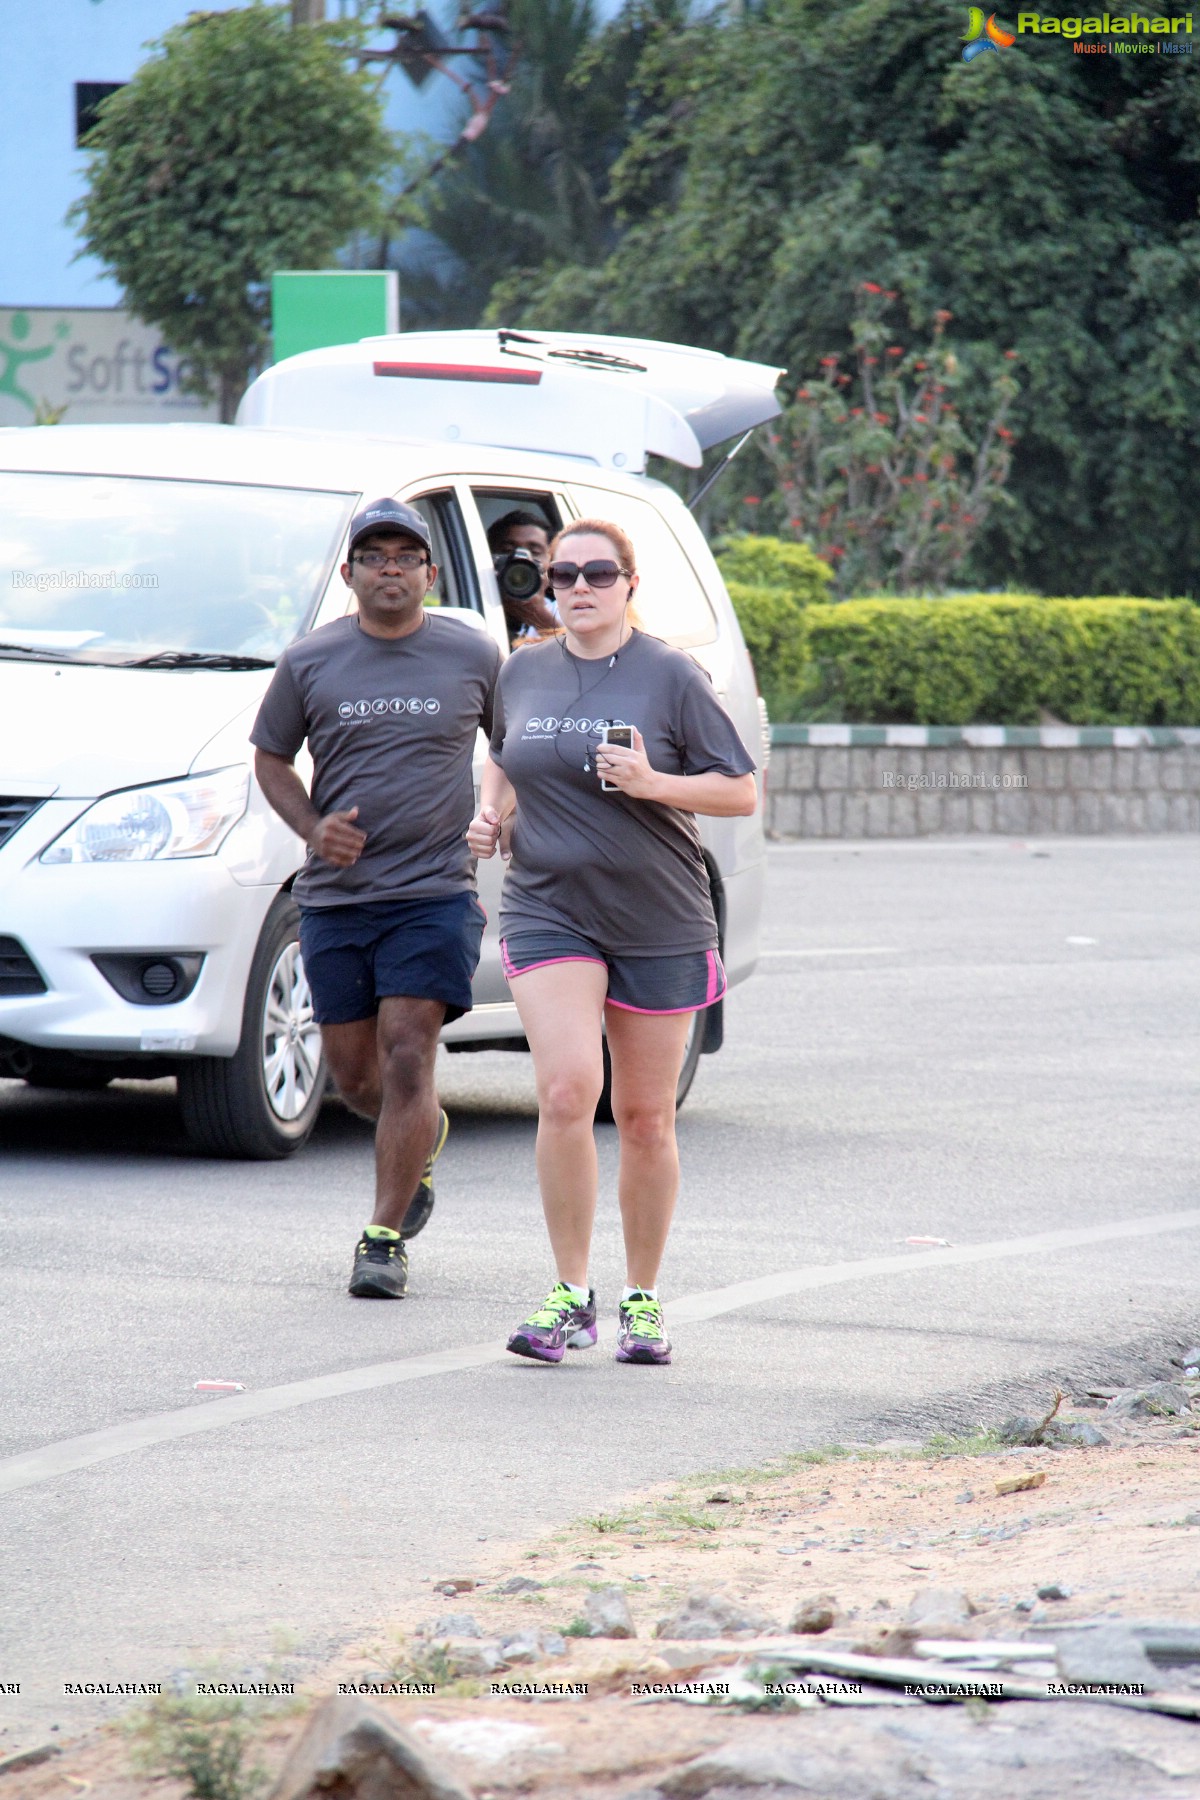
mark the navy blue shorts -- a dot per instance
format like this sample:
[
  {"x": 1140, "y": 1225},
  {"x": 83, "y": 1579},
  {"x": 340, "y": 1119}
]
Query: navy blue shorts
[
  {"x": 641, "y": 984},
  {"x": 356, "y": 956}
]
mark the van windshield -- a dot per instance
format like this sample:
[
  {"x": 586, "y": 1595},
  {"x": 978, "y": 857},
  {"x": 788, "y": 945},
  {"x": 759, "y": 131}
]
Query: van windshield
[{"x": 112, "y": 568}]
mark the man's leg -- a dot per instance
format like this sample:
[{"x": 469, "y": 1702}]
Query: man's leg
[
  {"x": 407, "y": 1112},
  {"x": 352, "y": 1053}
]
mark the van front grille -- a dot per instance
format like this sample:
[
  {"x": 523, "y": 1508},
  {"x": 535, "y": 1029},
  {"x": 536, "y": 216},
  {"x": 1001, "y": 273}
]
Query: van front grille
[
  {"x": 14, "y": 810},
  {"x": 18, "y": 971}
]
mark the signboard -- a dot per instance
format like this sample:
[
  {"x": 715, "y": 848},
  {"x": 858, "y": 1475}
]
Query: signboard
[
  {"x": 89, "y": 365},
  {"x": 313, "y": 308}
]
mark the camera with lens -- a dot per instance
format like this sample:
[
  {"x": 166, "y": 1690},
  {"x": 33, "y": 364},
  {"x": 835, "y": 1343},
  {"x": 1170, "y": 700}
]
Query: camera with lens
[{"x": 519, "y": 574}]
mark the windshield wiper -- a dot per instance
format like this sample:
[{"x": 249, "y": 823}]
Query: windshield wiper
[{"x": 199, "y": 659}]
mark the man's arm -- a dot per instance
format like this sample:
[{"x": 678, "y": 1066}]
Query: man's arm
[{"x": 335, "y": 838}]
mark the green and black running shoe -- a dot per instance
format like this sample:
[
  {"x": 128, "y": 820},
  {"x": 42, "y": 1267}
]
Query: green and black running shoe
[
  {"x": 421, "y": 1204},
  {"x": 641, "y": 1331},
  {"x": 561, "y": 1322},
  {"x": 380, "y": 1268}
]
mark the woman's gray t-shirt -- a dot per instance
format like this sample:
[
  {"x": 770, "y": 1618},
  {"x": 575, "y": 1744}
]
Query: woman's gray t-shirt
[
  {"x": 391, "y": 725},
  {"x": 628, "y": 874}
]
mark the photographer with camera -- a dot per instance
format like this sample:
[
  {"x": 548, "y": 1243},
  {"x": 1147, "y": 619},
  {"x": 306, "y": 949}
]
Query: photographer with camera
[{"x": 520, "y": 546}]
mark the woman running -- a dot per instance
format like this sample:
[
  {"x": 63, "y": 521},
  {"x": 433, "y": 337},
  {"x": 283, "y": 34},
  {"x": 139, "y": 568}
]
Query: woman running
[{"x": 606, "y": 922}]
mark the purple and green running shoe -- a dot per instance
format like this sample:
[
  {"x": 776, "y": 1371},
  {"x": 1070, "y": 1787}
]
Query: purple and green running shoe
[
  {"x": 560, "y": 1323},
  {"x": 641, "y": 1331}
]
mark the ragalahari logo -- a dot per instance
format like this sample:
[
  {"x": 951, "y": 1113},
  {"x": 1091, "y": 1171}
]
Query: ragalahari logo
[{"x": 983, "y": 33}]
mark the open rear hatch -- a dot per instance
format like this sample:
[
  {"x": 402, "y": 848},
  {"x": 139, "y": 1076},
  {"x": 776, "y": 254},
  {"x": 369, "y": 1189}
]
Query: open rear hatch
[{"x": 606, "y": 400}]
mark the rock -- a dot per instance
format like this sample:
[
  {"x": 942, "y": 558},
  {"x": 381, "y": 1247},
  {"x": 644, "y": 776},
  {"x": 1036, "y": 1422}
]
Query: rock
[
  {"x": 731, "y": 1769},
  {"x": 532, "y": 1646},
  {"x": 708, "y": 1615},
  {"x": 455, "y": 1584},
  {"x": 939, "y": 1613},
  {"x": 1192, "y": 1518},
  {"x": 469, "y": 1660},
  {"x": 356, "y": 1752},
  {"x": 813, "y": 1616},
  {"x": 1020, "y": 1430},
  {"x": 1105, "y": 1653},
  {"x": 28, "y": 1759},
  {"x": 608, "y": 1615},
  {"x": 454, "y": 1625},
  {"x": 724, "y": 1497},
  {"x": 1159, "y": 1399},
  {"x": 965, "y": 1498},
  {"x": 1077, "y": 1432},
  {"x": 519, "y": 1584},
  {"x": 1190, "y": 1358},
  {"x": 1054, "y": 1591}
]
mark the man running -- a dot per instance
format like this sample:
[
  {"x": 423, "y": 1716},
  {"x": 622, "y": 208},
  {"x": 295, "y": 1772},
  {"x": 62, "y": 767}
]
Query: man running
[{"x": 389, "y": 699}]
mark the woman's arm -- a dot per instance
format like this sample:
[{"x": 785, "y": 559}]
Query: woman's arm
[
  {"x": 713, "y": 794},
  {"x": 497, "y": 803}
]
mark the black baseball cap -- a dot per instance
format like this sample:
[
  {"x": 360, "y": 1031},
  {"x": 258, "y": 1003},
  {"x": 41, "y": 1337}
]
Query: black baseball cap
[{"x": 390, "y": 515}]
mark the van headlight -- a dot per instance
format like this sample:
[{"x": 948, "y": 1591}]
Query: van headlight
[{"x": 155, "y": 824}]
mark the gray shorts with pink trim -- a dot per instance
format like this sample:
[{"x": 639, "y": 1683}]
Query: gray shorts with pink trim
[{"x": 641, "y": 984}]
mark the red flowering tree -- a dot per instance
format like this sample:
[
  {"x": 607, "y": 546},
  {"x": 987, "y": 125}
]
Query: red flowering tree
[{"x": 877, "y": 469}]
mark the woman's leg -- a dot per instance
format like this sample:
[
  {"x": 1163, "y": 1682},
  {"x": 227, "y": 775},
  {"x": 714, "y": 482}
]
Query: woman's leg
[
  {"x": 561, "y": 1006},
  {"x": 647, "y": 1054}
]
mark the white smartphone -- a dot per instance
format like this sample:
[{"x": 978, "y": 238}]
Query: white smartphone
[{"x": 622, "y": 735}]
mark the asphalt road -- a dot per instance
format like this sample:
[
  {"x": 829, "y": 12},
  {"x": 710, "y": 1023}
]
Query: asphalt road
[{"x": 972, "y": 1040}]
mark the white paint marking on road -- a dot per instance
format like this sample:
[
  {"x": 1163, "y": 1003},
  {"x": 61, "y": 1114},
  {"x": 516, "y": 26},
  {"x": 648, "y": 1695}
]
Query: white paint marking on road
[
  {"x": 841, "y": 950},
  {"x": 71, "y": 1454}
]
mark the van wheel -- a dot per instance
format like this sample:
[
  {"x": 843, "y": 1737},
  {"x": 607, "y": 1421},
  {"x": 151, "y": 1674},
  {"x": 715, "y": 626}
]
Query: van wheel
[
  {"x": 262, "y": 1102},
  {"x": 687, "y": 1073}
]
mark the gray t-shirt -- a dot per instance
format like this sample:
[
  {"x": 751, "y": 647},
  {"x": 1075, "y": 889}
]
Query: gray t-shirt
[
  {"x": 627, "y": 873},
  {"x": 391, "y": 725}
]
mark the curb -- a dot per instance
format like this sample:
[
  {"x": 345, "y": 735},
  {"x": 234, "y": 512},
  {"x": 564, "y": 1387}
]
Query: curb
[{"x": 993, "y": 737}]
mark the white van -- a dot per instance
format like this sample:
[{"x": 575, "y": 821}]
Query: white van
[{"x": 149, "y": 578}]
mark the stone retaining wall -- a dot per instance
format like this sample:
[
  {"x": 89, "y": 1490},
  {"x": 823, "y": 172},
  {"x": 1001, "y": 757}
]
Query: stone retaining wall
[{"x": 852, "y": 781}]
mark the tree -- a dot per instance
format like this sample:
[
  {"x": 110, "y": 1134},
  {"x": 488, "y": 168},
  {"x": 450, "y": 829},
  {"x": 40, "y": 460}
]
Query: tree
[
  {"x": 874, "y": 467},
  {"x": 532, "y": 191},
  {"x": 1048, "y": 200},
  {"x": 241, "y": 146}
]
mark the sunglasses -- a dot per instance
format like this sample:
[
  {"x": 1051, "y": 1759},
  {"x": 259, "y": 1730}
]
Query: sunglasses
[{"x": 596, "y": 574}]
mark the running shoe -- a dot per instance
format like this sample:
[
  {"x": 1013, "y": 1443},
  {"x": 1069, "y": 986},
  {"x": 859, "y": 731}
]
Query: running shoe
[
  {"x": 380, "y": 1269},
  {"x": 560, "y": 1323},
  {"x": 421, "y": 1204},
  {"x": 641, "y": 1331}
]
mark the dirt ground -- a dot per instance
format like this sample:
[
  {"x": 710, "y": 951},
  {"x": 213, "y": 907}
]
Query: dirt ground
[{"x": 1116, "y": 1528}]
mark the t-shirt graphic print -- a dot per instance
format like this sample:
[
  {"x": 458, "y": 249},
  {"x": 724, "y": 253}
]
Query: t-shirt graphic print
[
  {"x": 629, "y": 874},
  {"x": 391, "y": 725}
]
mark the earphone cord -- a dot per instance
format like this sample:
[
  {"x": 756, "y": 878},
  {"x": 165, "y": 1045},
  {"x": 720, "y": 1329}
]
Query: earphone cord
[{"x": 579, "y": 699}]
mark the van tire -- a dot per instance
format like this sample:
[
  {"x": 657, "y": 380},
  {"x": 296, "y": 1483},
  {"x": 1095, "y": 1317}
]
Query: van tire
[
  {"x": 226, "y": 1101},
  {"x": 687, "y": 1073}
]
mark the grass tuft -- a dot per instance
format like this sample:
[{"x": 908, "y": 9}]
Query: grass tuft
[
  {"x": 980, "y": 1442},
  {"x": 202, "y": 1740}
]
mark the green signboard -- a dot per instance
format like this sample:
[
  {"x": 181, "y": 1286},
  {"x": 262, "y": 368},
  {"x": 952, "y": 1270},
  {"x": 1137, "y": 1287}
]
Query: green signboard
[{"x": 311, "y": 308}]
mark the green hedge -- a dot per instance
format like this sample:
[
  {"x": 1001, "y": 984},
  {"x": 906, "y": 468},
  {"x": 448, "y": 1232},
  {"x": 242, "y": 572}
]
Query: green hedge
[
  {"x": 770, "y": 562},
  {"x": 773, "y": 627},
  {"x": 999, "y": 660}
]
